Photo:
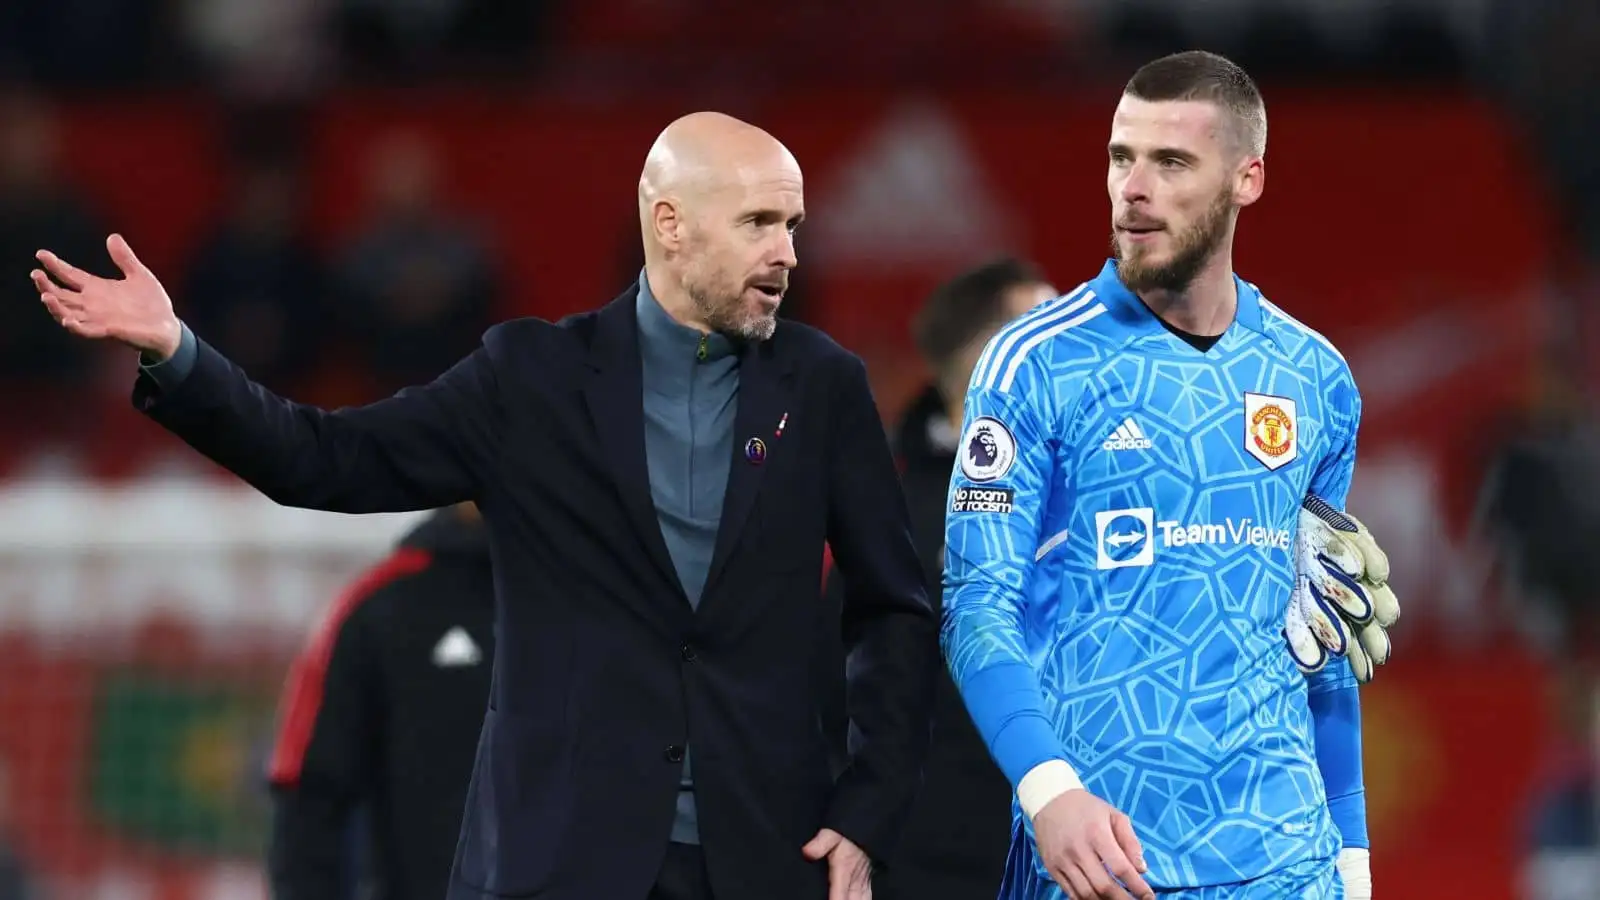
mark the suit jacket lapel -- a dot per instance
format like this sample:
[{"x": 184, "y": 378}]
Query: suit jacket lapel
[
  {"x": 615, "y": 395},
  {"x": 764, "y": 385}
]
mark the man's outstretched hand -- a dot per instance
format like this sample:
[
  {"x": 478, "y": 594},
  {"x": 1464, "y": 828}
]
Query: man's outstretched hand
[{"x": 134, "y": 309}]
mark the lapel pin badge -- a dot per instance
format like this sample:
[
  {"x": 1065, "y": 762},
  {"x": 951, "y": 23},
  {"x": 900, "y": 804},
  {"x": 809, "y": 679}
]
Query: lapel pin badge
[
  {"x": 781, "y": 422},
  {"x": 755, "y": 450}
]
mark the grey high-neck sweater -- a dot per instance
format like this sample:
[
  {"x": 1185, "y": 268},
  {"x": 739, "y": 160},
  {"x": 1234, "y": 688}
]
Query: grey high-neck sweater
[{"x": 691, "y": 391}]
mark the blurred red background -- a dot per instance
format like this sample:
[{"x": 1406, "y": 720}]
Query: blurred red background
[{"x": 1419, "y": 222}]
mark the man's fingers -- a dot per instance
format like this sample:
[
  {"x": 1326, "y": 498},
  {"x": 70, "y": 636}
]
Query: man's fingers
[
  {"x": 62, "y": 313},
  {"x": 42, "y": 282},
  {"x": 122, "y": 255},
  {"x": 1122, "y": 830},
  {"x": 859, "y": 884},
  {"x": 841, "y": 878},
  {"x": 821, "y": 844},
  {"x": 1103, "y": 887},
  {"x": 67, "y": 309},
  {"x": 64, "y": 299},
  {"x": 1113, "y": 861},
  {"x": 1072, "y": 880},
  {"x": 52, "y": 304},
  {"x": 67, "y": 296},
  {"x": 1132, "y": 885},
  {"x": 68, "y": 274}
]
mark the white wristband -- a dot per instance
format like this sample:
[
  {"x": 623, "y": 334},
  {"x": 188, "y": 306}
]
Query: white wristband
[
  {"x": 1045, "y": 782},
  {"x": 1356, "y": 873}
]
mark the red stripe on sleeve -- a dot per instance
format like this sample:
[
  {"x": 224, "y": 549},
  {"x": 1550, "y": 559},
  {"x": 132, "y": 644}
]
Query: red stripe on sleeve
[{"x": 302, "y": 696}]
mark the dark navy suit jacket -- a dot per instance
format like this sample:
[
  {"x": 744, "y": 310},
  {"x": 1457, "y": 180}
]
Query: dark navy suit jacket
[{"x": 603, "y": 671}]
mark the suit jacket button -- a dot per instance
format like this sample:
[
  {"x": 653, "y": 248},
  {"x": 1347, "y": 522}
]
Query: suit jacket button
[
  {"x": 674, "y": 753},
  {"x": 689, "y": 653}
]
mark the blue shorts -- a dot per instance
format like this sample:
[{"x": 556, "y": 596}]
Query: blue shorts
[{"x": 1316, "y": 879}]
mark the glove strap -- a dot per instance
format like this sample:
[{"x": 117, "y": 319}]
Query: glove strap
[{"x": 1324, "y": 510}]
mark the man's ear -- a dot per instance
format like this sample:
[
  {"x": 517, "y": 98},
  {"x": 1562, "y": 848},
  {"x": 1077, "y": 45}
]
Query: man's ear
[
  {"x": 1250, "y": 181},
  {"x": 667, "y": 220}
]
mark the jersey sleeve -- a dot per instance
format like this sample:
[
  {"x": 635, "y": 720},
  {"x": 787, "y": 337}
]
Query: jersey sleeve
[
  {"x": 999, "y": 491},
  {"x": 1334, "y": 699},
  {"x": 324, "y": 754},
  {"x": 1336, "y": 469}
]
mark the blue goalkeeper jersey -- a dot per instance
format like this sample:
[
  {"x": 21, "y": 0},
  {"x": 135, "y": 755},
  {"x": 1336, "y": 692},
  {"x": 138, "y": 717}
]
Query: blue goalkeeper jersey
[{"x": 1118, "y": 569}]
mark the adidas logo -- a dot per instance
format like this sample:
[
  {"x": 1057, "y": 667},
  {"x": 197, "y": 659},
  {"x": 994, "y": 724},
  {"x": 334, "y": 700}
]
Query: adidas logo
[
  {"x": 888, "y": 203},
  {"x": 456, "y": 648},
  {"x": 1127, "y": 437}
]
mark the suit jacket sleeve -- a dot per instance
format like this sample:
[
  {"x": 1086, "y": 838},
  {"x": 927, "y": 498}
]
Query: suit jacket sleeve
[
  {"x": 425, "y": 447},
  {"x": 893, "y": 638},
  {"x": 830, "y": 670},
  {"x": 329, "y": 730}
]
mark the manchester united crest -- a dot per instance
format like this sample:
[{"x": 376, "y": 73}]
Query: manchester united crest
[{"x": 1270, "y": 431}]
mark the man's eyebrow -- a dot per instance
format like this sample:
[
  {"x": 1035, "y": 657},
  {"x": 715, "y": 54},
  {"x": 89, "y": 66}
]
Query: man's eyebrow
[{"x": 1179, "y": 153}]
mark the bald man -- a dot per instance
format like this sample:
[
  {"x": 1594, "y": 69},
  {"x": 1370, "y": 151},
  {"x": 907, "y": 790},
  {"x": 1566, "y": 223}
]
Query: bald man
[{"x": 658, "y": 478}]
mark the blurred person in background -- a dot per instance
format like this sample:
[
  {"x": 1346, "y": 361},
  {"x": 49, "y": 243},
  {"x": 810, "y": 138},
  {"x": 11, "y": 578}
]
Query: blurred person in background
[
  {"x": 1540, "y": 511},
  {"x": 38, "y": 204},
  {"x": 15, "y": 883},
  {"x": 659, "y": 477},
  {"x": 1540, "y": 56},
  {"x": 959, "y": 832},
  {"x": 260, "y": 50},
  {"x": 256, "y": 284},
  {"x": 1541, "y": 59},
  {"x": 1558, "y": 839},
  {"x": 384, "y": 39},
  {"x": 416, "y": 286},
  {"x": 114, "y": 43},
  {"x": 380, "y": 717}
]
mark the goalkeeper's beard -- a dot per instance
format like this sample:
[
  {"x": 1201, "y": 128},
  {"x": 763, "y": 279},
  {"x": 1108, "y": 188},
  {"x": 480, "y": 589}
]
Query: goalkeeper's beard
[{"x": 1192, "y": 249}]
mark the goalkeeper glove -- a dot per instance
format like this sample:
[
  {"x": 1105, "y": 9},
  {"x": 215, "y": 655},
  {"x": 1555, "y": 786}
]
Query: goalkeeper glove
[{"x": 1341, "y": 604}]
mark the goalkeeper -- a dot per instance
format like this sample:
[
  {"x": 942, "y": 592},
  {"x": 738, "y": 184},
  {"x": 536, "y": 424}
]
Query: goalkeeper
[{"x": 1121, "y": 547}]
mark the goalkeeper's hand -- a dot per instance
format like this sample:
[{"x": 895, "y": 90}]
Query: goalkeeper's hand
[
  {"x": 1342, "y": 603},
  {"x": 1356, "y": 873}
]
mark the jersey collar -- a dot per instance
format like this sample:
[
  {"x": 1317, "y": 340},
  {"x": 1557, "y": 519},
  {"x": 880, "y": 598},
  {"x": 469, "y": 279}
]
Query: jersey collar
[{"x": 1133, "y": 315}]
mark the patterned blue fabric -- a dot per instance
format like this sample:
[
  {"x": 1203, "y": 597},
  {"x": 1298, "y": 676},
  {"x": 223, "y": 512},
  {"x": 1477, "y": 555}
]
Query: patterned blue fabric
[
  {"x": 1311, "y": 880},
  {"x": 1118, "y": 568}
]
